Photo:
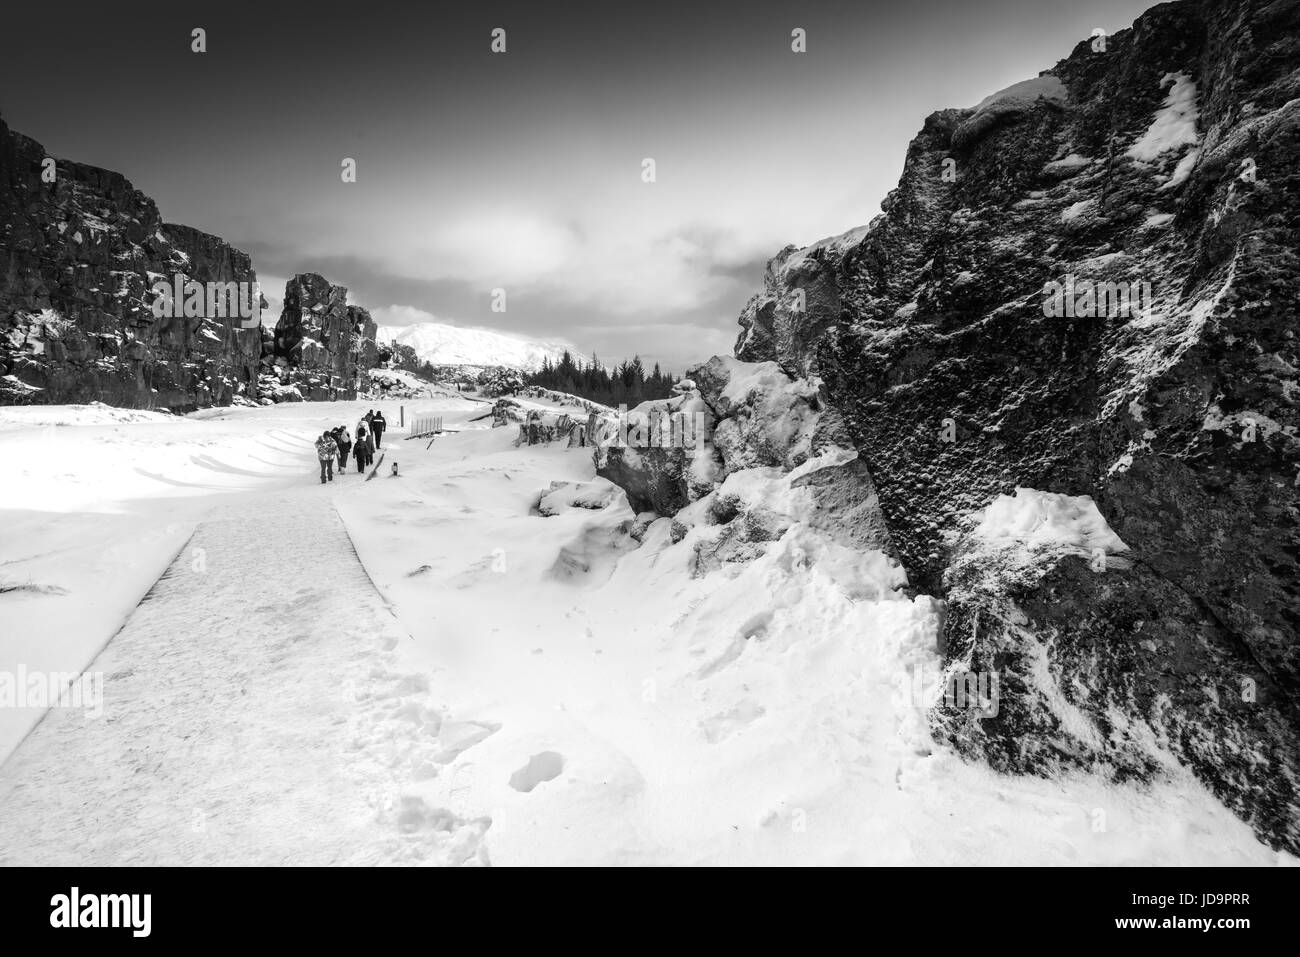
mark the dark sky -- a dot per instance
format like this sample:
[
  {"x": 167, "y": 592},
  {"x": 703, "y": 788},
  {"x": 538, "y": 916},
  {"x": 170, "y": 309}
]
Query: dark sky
[{"x": 522, "y": 170}]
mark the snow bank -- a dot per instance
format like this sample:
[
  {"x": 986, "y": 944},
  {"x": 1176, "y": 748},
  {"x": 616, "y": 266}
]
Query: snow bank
[
  {"x": 579, "y": 695},
  {"x": 95, "y": 413}
]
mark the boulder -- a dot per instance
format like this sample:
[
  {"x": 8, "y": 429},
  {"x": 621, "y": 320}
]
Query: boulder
[{"x": 1166, "y": 393}]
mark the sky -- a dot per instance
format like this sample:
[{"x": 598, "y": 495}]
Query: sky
[{"x": 523, "y": 170}]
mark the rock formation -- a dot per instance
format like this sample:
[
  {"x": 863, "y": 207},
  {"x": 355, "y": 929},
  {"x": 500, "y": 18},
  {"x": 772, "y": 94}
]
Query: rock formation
[
  {"x": 1087, "y": 284},
  {"x": 82, "y": 253},
  {"x": 78, "y": 259},
  {"x": 321, "y": 344}
]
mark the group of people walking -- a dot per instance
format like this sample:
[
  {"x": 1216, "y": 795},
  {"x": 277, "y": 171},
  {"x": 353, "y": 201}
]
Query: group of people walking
[{"x": 337, "y": 443}]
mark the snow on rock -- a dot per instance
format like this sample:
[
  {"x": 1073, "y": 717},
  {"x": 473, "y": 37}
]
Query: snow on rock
[
  {"x": 764, "y": 416},
  {"x": 1174, "y": 125},
  {"x": 835, "y": 245},
  {"x": 1047, "y": 520},
  {"x": 1067, "y": 166},
  {"x": 740, "y": 415},
  {"x": 395, "y": 383},
  {"x": 565, "y": 495},
  {"x": 1183, "y": 170},
  {"x": 1009, "y": 103},
  {"x": 1074, "y": 211},
  {"x": 1022, "y": 94}
]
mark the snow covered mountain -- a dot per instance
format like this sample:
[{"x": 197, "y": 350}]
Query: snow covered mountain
[{"x": 444, "y": 344}]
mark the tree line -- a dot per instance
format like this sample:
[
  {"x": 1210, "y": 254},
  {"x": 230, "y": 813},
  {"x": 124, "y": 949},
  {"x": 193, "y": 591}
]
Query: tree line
[{"x": 625, "y": 384}]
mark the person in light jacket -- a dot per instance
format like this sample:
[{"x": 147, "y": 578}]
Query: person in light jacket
[
  {"x": 344, "y": 442},
  {"x": 325, "y": 451}
]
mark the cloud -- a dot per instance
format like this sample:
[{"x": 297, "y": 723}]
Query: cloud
[
  {"x": 605, "y": 266},
  {"x": 404, "y": 316}
]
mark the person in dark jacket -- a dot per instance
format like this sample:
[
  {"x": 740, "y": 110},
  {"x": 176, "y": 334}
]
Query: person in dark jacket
[
  {"x": 363, "y": 448},
  {"x": 377, "y": 426},
  {"x": 325, "y": 451},
  {"x": 344, "y": 442}
]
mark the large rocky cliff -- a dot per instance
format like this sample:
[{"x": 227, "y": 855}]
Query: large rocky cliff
[
  {"x": 1163, "y": 158},
  {"x": 81, "y": 251}
]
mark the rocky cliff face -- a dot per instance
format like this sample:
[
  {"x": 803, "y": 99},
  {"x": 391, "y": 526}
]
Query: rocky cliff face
[
  {"x": 321, "y": 344},
  {"x": 78, "y": 260},
  {"x": 81, "y": 254},
  {"x": 1087, "y": 285}
]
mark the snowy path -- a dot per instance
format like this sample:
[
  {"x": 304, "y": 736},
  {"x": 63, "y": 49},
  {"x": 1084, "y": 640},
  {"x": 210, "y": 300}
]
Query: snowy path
[
  {"x": 249, "y": 717},
  {"x": 475, "y": 675}
]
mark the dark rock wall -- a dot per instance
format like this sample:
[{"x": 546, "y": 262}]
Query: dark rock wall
[
  {"x": 928, "y": 331},
  {"x": 79, "y": 257},
  {"x": 78, "y": 260}
]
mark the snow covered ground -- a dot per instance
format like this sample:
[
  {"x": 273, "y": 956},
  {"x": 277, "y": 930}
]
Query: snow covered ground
[{"x": 425, "y": 669}]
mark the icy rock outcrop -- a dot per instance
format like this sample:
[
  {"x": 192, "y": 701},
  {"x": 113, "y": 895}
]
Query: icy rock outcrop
[
  {"x": 660, "y": 455},
  {"x": 78, "y": 260},
  {"x": 1169, "y": 158},
  {"x": 773, "y": 455},
  {"x": 830, "y": 497},
  {"x": 562, "y": 496},
  {"x": 325, "y": 345},
  {"x": 734, "y": 415}
]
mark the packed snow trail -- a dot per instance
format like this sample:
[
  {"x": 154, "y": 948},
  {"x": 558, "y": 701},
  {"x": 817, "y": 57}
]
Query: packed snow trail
[{"x": 251, "y": 715}]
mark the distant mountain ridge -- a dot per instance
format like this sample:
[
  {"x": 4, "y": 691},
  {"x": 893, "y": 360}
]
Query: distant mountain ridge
[{"x": 443, "y": 344}]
